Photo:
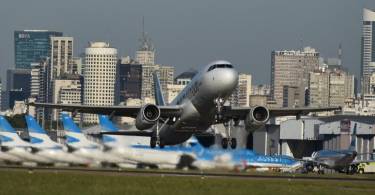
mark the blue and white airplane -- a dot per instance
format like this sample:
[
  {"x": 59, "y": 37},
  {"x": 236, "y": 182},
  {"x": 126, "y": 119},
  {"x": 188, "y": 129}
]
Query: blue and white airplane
[
  {"x": 137, "y": 149},
  {"x": 13, "y": 145},
  {"x": 195, "y": 155},
  {"x": 47, "y": 148},
  {"x": 83, "y": 147}
]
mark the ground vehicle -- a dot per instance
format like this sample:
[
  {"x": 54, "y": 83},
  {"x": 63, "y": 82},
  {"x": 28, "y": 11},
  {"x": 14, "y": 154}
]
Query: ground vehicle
[{"x": 366, "y": 167}]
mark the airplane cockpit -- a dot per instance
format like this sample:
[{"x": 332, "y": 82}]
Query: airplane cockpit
[{"x": 219, "y": 66}]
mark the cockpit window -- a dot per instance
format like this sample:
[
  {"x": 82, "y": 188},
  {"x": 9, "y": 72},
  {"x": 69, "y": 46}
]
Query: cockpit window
[{"x": 219, "y": 66}]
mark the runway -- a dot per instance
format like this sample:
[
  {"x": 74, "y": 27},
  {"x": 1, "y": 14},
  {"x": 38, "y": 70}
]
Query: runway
[{"x": 182, "y": 173}]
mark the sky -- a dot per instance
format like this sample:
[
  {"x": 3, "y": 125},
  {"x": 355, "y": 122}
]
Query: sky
[{"x": 190, "y": 34}]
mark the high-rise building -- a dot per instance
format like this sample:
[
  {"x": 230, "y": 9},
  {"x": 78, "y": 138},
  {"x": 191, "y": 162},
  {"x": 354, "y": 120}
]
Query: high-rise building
[
  {"x": 319, "y": 89},
  {"x": 129, "y": 81},
  {"x": 66, "y": 90},
  {"x": 331, "y": 87},
  {"x": 99, "y": 77},
  {"x": 35, "y": 80},
  {"x": 18, "y": 81},
  {"x": 292, "y": 69},
  {"x": 77, "y": 65},
  {"x": 241, "y": 95},
  {"x": 165, "y": 74},
  {"x": 31, "y": 46},
  {"x": 368, "y": 49},
  {"x": 61, "y": 58},
  {"x": 145, "y": 54}
]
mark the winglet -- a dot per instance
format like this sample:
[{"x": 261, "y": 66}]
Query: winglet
[
  {"x": 33, "y": 126},
  {"x": 69, "y": 124},
  {"x": 159, "y": 98},
  {"x": 354, "y": 138}
]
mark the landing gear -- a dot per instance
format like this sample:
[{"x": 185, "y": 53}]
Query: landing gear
[
  {"x": 229, "y": 141},
  {"x": 153, "y": 141}
]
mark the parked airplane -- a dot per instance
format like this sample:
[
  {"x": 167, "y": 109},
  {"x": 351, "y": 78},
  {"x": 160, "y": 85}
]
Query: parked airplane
[
  {"x": 83, "y": 147},
  {"x": 136, "y": 148},
  {"x": 339, "y": 160},
  {"x": 47, "y": 148},
  {"x": 13, "y": 145},
  {"x": 195, "y": 109},
  {"x": 240, "y": 159}
]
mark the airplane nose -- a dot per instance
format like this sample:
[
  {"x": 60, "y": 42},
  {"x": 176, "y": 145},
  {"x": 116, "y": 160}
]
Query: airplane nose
[{"x": 227, "y": 80}]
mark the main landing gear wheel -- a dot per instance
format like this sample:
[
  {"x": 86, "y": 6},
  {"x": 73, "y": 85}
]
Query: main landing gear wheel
[
  {"x": 233, "y": 143},
  {"x": 161, "y": 144},
  {"x": 224, "y": 143},
  {"x": 153, "y": 142}
]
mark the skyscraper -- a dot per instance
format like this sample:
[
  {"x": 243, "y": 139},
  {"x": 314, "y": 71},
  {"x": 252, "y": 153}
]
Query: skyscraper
[
  {"x": 291, "y": 69},
  {"x": 18, "y": 81},
  {"x": 368, "y": 49},
  {"x": 241, "y": 95},
  {"x": 61, "y": 58},
  {"x": 99, "y": 77},
  {"x": 31, "y": 46},
  {"x": 129, "y": 81}
]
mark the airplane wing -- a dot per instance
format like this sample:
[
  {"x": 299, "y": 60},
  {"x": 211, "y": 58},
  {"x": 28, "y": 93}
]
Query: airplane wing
[
  {"x": 241, "y": 112},
  {"x": 129, "y": 111}
]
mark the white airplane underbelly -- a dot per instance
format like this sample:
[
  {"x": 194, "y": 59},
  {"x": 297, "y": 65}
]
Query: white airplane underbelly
[
  {"x": 149, "y": 156},
  {"x": 62, "y": 156},
  {"x": 4, "y": 156},
  {"x": 28, "y": 156}
]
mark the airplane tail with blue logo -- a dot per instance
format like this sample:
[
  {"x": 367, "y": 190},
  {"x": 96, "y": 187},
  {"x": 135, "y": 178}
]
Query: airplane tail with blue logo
[
  {"x": 9, "y": 136},
  {"x": 107, "y": 126},
  {"x": 352, "y": 146},
  {"x": 38, "y": 135},
  {"x": 159, "y": 98},
  {"x": 74, "y": 136}
]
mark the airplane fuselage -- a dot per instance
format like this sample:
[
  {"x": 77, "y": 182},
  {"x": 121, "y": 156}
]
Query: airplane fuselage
[
  {"x": 337, "y": 160},
  {"x": 198, "y": 101}
]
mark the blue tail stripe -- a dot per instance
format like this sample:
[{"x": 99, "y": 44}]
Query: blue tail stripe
[
  {"x": 106, "y": 124},
  {"x": 107, "y": 138},
  {"x": 5, "y": 126},
  {"x": 33, "y": 126},
  {"x": 70, "y": 139},
  {"x": 69, "y": 124},
  {"x": 35, "y": 140}
]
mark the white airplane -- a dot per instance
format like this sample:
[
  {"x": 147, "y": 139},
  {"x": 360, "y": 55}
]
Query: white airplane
[
  {"x": 13, "y": 145},
  {"x": 136, "y": 149},
  {"x": 47, "y": 148},
  {"x": 194, "y": 110},
  {"x": 83, "y": 147}
]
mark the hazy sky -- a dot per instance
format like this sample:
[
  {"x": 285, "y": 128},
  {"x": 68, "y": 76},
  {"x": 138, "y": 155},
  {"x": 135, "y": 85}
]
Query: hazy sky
[{"x": 193, "y": 33}]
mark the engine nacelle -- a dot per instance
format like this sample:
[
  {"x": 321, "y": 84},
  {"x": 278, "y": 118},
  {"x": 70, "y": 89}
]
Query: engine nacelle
[
  {"x": 256, "y": 118},
  {"x": 147, "y": 117}
]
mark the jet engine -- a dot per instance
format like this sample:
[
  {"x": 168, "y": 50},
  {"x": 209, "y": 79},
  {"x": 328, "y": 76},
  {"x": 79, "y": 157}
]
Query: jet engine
[
  {"x": 256, "y": 118},
  {"x": 147, "y": 117}
]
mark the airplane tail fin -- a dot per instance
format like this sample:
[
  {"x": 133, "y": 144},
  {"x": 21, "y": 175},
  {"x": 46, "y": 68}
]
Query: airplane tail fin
[
  {"x": 74, "y": 135},
  {"x": 159, "y": 98},
  {"x": 8, "y": 135},
  {"x": 33, "y": 126},
  {"x": 354, "y": 138},
  {"x": 69, "y": 124},
  {"x": 107, "y": 124},
  {"x": 37, "y": 134}
]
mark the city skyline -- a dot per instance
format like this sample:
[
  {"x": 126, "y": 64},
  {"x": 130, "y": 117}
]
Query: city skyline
[{"x": 245, "y": 35}]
